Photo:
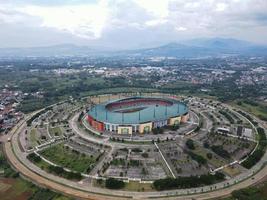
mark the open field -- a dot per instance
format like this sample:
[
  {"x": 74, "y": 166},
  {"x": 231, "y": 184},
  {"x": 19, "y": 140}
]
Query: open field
[
  {"x": 15, "y": 189},
  {"x": 65, "y": 157}
]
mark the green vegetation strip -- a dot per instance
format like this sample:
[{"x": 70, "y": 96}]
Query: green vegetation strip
[
  {"x": 69, "y": 158},
  {"x": 227, "y": 116},
  {"x": 56, "y": 170},
  {"x": 8, "y": 171},
  {"x": 248, "y": 117},
  {"x": 112, "y": 183},
  {"x": 219, "y": 150},
  {"x": 259, "y": 192},
  {"x": 259, "y": 152},
  {"x": 187, "y": 182},
  {"x": 257, "y": 108},
  {"x": 200, "y": 159}
]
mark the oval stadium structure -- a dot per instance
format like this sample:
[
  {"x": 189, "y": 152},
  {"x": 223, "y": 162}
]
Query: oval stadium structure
[{"x": 137, "y": 114}]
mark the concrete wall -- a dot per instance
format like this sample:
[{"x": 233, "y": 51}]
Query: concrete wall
[
  {"x": 185, "y": 118},
  {"x": 146, "y": 127},
  {"x": 125, "y": 130},
  {"x": 174, "y": 120}
]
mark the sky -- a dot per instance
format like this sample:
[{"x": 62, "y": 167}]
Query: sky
[{"x": 126, "y": 24}]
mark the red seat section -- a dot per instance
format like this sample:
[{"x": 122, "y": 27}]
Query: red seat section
[{"x": 95, "y": 124}]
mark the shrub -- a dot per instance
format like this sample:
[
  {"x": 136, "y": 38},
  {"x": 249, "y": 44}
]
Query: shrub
[
  {"x": 247, "y": 193},
  {"x": 136, "y": 150},
  {"x": 209, "y": 155},
  {"x": 145, "y": 155},
  {"x": 227, "y": 116},
  {"x": 218, "y": 149},
  {"x": 187, "y": 182},
  {"x": 198, "y": 158},
  {"x": 259, "y": 152},
  {"x": 134, "y": 163},
  {"x": 206, "y": 145},
  {"x": 112, "y": 183},
  {"x": 190, "y": 144},
  {"x": 34, "y": 158},
  {"x": 61, "y": 172}
]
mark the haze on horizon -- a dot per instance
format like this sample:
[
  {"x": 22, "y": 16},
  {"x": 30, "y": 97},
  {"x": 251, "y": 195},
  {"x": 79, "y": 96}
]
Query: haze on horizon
[{"x": 125, "y": 24}]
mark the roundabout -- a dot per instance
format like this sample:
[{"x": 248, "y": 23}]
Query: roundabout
[{"x": 61, "y": 148}]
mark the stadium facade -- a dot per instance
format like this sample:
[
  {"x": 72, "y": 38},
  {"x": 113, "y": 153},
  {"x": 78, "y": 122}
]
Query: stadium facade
[{"x": 137, "y": 114}]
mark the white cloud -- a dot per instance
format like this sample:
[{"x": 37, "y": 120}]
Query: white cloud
[
  {"x": 156, "y": 22},
  {"x": 143, "y": 21},
  {"x": 158, "y": 8},
  {"x": 85, "y": 21},
  {"x": 221, "y": 7},
  {"x": 181, "y": 28}
]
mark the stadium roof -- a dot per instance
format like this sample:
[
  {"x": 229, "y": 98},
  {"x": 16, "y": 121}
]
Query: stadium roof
[{"x": 144, "y": 113}]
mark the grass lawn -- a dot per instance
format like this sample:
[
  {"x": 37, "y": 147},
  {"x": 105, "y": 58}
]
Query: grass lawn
[
  {"x": 217, "y": 162},
  {"x": 231, "y": 171},
  {"x": 131, "y": 186},
  {"x": 136, "y": 186},
  {"x": 43, "y": 165},
  {"x": 56, "y": 131},
  {"x": 66, "y": 157},
  {"x": 220, "y": 162},
  {"x": 47, "y": 167},
  {"x": 203, "y": 152},
  {"x": 33, "y": 137},
  {"x": 259, "y": 109}
]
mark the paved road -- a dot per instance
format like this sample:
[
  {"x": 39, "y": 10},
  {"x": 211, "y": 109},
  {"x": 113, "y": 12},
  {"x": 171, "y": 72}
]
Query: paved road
[
  {"x": 19, "y": 161},
  {"x": 103, "y": 140}
]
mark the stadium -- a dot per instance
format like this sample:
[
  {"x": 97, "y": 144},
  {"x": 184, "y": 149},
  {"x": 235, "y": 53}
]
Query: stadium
[{"x": 136, "y": 114}]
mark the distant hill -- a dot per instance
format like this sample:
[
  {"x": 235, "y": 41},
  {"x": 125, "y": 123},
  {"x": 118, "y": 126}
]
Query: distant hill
[
  {"x": 214, "y": 47},
  {"x": 219, "y": 43},
  {"x": 205, "y": 48},
  {"x": 57, "y": 50}
]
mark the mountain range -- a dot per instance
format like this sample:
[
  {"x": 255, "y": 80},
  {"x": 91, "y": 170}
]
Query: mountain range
[{"x": 214, "y": 47}]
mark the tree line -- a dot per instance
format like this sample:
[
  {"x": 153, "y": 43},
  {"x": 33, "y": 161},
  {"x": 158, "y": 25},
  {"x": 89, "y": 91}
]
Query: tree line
[{"x": 188, "y": 182}]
